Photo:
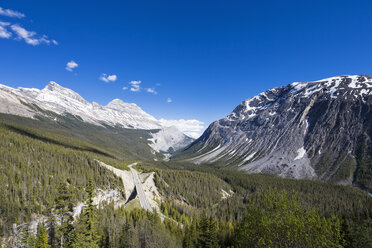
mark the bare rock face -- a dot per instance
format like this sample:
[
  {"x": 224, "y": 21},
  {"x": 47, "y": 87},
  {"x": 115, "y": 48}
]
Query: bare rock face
[{"x": 319, "y": 129}]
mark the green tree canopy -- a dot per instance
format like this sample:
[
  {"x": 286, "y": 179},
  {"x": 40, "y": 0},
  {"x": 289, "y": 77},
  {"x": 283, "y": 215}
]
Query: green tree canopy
[{"x": 276, "y": 219}]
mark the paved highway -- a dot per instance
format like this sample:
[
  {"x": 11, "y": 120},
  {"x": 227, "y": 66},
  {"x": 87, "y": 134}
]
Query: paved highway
[
  {"x": 139, "y": 189},
  {"x": 137, "y": 183}
]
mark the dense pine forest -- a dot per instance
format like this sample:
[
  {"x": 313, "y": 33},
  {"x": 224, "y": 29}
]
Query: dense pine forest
[
  {"x": 31, "y": 170},
  {"x": 45, "y": 175}
]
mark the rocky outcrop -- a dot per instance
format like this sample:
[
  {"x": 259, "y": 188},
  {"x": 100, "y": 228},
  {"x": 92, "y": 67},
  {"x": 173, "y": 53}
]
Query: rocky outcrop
[{"x": 319, "y": 129}]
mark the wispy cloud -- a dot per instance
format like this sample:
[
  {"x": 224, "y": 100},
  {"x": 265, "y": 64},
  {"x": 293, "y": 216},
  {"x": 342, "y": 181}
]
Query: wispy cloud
[
  {"x": 71, "y": 65},
  {"x": 108, "y": 78},
  {"x": 4, "y": 33},
  {"x": 151, "y": 90},
  {"x": 192, "y": 128},
  {"x": 8, "y": 30},
  {"x": 169, "y": 100},
  {"x": 11, "y": 13},
  {"x": 30, "y": 37},
  {"x": 135, "y": 86}
]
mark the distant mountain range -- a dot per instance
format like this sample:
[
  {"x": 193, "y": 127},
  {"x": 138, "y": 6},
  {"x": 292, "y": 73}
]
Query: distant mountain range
[
  {"x": 316, "y": 130},
  {"x": 55, "y": 101}
]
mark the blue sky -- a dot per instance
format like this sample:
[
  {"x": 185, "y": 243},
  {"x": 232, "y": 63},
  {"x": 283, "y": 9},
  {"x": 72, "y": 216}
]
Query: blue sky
[{"x": 206, "y": 56}]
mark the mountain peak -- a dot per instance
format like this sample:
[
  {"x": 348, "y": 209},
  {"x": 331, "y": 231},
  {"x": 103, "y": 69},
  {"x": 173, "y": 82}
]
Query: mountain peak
[
  {"x": 59, "y": 92},
  {"x": 290, "y": 130},
  {"x": 119, "y": 104},
  {"x": 346, "y": 87},
  {"x": 52, "y": 85},
  {"x": 117, "y": 101}
]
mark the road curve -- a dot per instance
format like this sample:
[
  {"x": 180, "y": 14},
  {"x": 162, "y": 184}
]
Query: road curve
[
  {"x": 139, "y": 189},
  {"x": 140, "y": 192}
]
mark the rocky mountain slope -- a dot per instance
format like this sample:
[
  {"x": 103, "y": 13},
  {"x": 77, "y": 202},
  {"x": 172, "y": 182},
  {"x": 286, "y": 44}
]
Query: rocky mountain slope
[
  {"x": 169, "y": 139},
  {"x": 320, "y": 129},
  {"x": 55, "y": 101}
]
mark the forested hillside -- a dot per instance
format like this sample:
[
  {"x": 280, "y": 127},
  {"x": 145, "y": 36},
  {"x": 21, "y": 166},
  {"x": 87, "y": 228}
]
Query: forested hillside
[
  {"x": 31, "y": 170},
  {"x": 348, "y": 206},
  {"x": 45, "y": 175},
  {"x": 120, "y": 142}
]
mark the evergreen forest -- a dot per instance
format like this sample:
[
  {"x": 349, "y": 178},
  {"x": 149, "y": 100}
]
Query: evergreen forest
[{"x": 45, "y": 175}]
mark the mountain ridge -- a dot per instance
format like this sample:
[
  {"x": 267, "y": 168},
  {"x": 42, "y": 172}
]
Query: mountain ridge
[
  {"x": 301, "y": 130},
  {"x": 54, "y": 100}
]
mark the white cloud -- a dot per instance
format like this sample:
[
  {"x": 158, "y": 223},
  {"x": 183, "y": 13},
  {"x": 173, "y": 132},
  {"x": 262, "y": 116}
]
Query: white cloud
[
  {"x": 169, "y": 100},
  {"x": 108, "y": 78},
  {"x": 151, "y": 90},
  {"x": 71, "y": 65},
  {"x": 192, "y": 128},
  {"x": 11, "y": 13},
  {"x": 30, "y": 37},
  {"x": 112, "y": 78},
  {"x": 135, "y": 86},
  {"x": 4, "y": 33},
  {"x": 8, "y": 30}
]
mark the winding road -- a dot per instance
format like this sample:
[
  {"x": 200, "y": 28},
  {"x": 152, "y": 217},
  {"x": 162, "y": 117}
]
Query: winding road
[
  {"x": 138, "y": 185},
  {"x": 140, "y": 192}
]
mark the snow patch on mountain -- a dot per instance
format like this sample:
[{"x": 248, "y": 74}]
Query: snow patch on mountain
[
  {"x": 29, "y": 102},
  {"x": 250, "y": 156},
  {"x": 281, "y": 122},
  {"x": 300, "y": 153},
  {"x": 334, "y": 85},
  {"x": 61, "y": 100}
]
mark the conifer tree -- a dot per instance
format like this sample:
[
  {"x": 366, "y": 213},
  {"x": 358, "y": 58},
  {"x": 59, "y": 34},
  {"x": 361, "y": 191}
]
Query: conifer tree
[
  {"x": 125, "y": 236},
  {"x": 156, "y": 218},
  {"x": 90, "y": 214},
  {"x": 28, "y": 239},
  {"x": 64, "y": 209},
  {"x": 213, "y": 233},
  {"x": 208, "y": 236},
  {"x": 189, "y": 240},
  {"x": 52, "y": 230},
  {"x": 85, "y": 234},
  {"x": 42, "y": 237}
]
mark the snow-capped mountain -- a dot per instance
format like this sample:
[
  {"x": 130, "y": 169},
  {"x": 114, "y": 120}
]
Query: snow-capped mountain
[
  {"x": 59, "y": 100},
  {"x": 319, "y": 129}
]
